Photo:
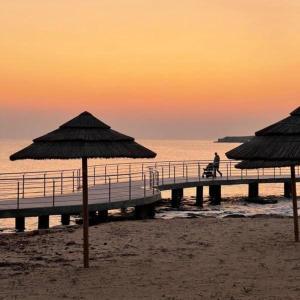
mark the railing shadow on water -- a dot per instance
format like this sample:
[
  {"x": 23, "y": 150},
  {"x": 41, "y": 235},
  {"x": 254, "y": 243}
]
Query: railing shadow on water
[{"x": 110, "y": 182}]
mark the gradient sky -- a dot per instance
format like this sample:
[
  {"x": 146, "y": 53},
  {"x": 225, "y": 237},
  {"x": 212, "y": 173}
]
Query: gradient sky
[{"x": 160, "y": 68}]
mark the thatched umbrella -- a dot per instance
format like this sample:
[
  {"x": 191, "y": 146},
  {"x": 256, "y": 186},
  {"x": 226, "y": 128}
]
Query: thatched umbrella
[
  {"x": 81, "y": 138},
  {"x": 277, "y": 145}
]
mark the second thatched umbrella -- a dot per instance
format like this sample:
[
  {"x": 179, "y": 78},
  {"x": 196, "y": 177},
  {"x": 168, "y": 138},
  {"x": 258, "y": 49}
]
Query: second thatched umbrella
[
  {"x": 81, "y": 138},
  {"x": 277, "y": 145}
]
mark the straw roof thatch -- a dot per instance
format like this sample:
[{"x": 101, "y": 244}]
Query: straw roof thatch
[
  {"x": 279, "y": 143},
  {"x": 83, "y": 137},
  {"x": 289, "y": 126}
]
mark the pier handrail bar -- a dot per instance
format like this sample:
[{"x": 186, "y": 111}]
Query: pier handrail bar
[
  {"x": 39, "y": 171},
  {"x": 149, "y": 161},
  {"x": 59, "y": 177}
]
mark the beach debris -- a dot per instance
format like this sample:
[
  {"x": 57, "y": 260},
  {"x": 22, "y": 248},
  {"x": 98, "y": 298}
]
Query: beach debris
[{"x": 71, "y": 243}]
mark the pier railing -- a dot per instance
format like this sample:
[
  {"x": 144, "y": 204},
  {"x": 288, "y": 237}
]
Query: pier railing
[
  {"x": 63, "y": 188},
  {"x": 191, "y": 171},
  {"x": 113, "y": 182}
]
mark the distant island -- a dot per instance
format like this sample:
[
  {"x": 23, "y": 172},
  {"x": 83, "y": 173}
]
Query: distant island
[{"x": 234, "y": 139}]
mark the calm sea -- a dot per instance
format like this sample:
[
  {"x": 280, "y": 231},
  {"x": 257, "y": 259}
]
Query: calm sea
[{"x": 166, "y": 150}]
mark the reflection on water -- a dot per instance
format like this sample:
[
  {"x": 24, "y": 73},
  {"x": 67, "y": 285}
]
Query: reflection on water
[{"x": 165, "y": 149}]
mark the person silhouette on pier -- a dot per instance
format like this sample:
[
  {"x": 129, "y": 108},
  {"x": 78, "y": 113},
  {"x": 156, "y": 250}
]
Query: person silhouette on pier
[{"x": 217, "y": 165}]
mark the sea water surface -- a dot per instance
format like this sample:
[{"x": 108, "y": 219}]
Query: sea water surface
[{"x": 234, "y": 197}]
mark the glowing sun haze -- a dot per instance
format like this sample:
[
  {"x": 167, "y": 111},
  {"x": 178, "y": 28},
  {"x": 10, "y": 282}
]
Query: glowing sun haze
[{"x": 177, "y": 69}]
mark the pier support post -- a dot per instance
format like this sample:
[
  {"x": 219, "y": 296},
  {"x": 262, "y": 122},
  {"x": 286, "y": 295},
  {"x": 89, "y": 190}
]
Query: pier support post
[
  {"x": 210, "y": 190},
  {"x": 253, "y": 190},
  {"x": 20, "y": 224},
  {"x": 199, "y": 196},
  {"x": 93, "y": 218},
  {"x": 92, "y": 214},
  {"x": 215, "y": 194},
  {"x": 177, "y": 195},
  {"x": 102, "y": 215},
  {"x": 43, "y": 222},
  {"x": 65, "y": 219},
  {"x": 145, "y": 211},
  {"x": 287, "y": 190}
]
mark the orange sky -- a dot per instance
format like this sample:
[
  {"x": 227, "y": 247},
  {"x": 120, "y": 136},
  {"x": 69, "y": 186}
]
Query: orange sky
[{"x": 159, "y": 68}]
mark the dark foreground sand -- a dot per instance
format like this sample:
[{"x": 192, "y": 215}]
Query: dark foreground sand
[{"x": 156, "y": 259}]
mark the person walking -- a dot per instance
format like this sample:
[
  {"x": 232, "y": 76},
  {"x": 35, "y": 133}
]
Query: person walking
[{"x": 217, "y": 165}]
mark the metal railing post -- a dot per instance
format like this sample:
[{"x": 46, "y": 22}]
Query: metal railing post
[
  {"x": 199, "y": 175},
  {"x": 186, "y": 173},
  {"x": 162, "y": 174},
  {"x": 18, "y": 195},
  {"x": 23, "y": 186},
  {"x": 94, "y": 176},
  {"x": 227, "y": 171},
  {"x": 142, "y": 171},
  {"x": 151, "y": 174},
  {"x": 174, "y": 173},
  {"x": 129, "y": 186},
  {"x": 78, "y": 179},
  {"x": 109, "y": 190},
  {"x": 53, "y": 193},
  {"x": 117, "y": 173},
  {"x": 153, "y": 184},
  {"x": 145, "y": 185},
  {"x": 169, "y": 169},
  {"x": 44, "y": 184},
  {"x": 105, "y": 172},
  {"x": 73, "y": 182},
  {"x": 61, "y": 183},
  {"x": 183, "y": 169},
  {"x": 150, "y": 178}
]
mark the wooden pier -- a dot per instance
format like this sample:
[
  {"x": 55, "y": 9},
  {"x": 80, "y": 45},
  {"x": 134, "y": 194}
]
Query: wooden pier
[{"x": 119, "y": 186}]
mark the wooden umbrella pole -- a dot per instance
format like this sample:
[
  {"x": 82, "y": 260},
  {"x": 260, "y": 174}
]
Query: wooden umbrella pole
[
  {"x": 85, "y": 213},
  {"x": 295, "y": 208}
]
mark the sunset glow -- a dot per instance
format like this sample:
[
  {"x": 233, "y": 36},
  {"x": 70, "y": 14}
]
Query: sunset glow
[{"x": 160, "y": 64}]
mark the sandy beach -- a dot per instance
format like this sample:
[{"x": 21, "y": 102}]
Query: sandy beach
[{"x": 203, "y": 258}]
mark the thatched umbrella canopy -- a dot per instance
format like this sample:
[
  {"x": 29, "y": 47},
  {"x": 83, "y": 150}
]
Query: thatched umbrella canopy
[
  {"x": 81, "y": 138},
  {"x": 277, "y": 145}
]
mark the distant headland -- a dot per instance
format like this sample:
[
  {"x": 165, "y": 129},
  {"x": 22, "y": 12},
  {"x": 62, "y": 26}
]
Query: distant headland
[{"x": 234, "y": 139}]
